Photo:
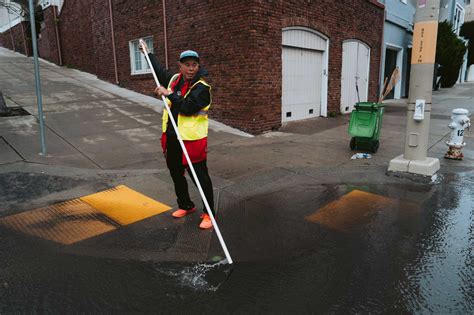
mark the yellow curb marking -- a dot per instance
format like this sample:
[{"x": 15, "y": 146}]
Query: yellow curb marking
[
  {"x": 65, "y": 223},
  {"x": 124, "y": 205},
  {"x": 359, "y": 207},
  {"x": 79, "y": 219}
]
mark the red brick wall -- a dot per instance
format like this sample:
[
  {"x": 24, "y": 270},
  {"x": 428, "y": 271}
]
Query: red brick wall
[
  {"x": 132, "y": 20},
  {"x": 248, "y": 35},
  {"x": 340, "y": 21},
  {"x": 239, "y": 43},
  {"x": 100, "y": 19},
  {"x": 21, "y": 39},
  {"x": 47, "y": 44},
  {"x": 5, "y": 40},
  {"x": 220, "y": 31},
  {"x": 77, "y": 36},
  {"x": 214, "y": 28},
  {"x": 44, "y": 41},
  {"x": 337, "y": 20}
]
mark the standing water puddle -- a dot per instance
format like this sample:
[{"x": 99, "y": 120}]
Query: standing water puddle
[{"x": 305, "y": 250}]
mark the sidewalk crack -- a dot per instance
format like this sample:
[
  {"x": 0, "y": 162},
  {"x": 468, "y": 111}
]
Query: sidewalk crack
[
  {"x": 15, "y": 150},
  {"x": 80, "y": 152}
]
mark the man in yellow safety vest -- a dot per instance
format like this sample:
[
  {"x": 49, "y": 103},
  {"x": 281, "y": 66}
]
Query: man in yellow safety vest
[{"x": 189, "y": 98}]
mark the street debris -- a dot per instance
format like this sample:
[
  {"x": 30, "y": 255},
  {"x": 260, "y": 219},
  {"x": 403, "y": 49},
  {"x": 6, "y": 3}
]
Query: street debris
[{"x": 361, "y": 156}]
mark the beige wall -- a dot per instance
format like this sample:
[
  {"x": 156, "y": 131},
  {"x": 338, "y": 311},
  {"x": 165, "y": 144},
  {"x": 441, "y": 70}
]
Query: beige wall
[{"x": 469, "y": 13}]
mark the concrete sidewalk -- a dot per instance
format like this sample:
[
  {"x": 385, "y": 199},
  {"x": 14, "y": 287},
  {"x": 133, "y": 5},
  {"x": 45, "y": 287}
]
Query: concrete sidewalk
[
  {"x": 97, "y": 125},
  {"x": 89, "y": 123},
  {"x": 99, "y": 135}
]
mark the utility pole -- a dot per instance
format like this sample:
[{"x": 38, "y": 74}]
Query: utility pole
[
  {"x": 37, "y": 76},
  {"x": 415, "y": 159}
]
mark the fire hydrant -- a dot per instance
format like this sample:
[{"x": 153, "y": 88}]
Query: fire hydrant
[{"x": 459, "y": 123}]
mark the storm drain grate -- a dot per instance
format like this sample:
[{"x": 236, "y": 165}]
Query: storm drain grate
[
  {"x": 14, "y": 111},
  {"x": 191, "y": 238}
]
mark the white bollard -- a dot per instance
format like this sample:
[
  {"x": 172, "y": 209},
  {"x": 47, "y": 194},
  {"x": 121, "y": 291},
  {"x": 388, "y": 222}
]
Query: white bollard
[{"x": 459, "y": 123}]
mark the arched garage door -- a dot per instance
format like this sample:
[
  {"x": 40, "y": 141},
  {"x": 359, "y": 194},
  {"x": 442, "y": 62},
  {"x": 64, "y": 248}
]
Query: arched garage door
[
  {"x": 355, "y": 73},
  {"x": 304, "y": 84}
]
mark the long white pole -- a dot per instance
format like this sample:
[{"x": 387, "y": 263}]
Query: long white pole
[{"x": 198, "y": 184}]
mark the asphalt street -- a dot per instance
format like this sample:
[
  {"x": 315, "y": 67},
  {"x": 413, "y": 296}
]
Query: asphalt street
[{"x": 309, "y": 228}]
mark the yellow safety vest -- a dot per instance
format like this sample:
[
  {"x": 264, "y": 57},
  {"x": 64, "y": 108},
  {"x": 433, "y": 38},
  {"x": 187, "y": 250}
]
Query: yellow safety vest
[{"x": 193, "y": 127}]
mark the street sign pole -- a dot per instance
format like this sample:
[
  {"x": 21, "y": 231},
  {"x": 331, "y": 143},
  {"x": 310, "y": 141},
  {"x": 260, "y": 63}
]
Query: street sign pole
[
  {"x": 415, "y": 159},
  {"x": 37, "y": 77}
]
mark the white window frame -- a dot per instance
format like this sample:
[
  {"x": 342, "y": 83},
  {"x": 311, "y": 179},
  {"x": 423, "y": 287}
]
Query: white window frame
[
  {"x": 134, "y": 52},
  {"x": 458, "y": 20}
]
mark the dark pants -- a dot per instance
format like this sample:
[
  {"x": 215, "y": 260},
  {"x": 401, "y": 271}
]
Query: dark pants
[{"x": 174, "y": 156}]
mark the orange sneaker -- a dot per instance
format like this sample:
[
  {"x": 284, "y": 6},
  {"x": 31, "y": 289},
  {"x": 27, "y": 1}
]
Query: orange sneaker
[
  {"x": 206, "y": 222},
  {"x": 182, "y": 213}
]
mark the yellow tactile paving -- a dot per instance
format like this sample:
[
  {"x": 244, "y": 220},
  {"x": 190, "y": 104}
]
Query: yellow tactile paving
[
  {"x": 79, "y": 219},
  {"x": 65, "y": 223},
  {"x": 124, "y": 205},
  {"x": 357, "y": 207}
]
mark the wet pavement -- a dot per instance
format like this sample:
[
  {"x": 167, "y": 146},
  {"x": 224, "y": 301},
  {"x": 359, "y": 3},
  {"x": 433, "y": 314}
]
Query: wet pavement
[
  {"x": 300, "y": 249},
  {"x": 310, "y": 230}
]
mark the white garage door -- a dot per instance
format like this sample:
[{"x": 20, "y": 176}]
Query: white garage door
[
  {"x": 302, "y": 78},
  {"x": 355, "y": 74}
]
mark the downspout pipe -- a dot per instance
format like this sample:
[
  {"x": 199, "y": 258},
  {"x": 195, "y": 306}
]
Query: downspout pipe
[
  {"x": 58, "y": 44},
  {"x": 11, "y": 33},
  {"x": 113, "y": 42},
  {"x": 380, "y": 85},
  {"x": 165, "y": 33},
  {"x": 24, "y": 38},
  {"x": 453, "y": 11}
]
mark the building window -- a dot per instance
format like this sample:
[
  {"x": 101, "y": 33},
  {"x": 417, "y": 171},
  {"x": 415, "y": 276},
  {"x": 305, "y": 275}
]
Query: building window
[
  {"x": 458, "y": 18},
  {"x": 137, "y": 59}
]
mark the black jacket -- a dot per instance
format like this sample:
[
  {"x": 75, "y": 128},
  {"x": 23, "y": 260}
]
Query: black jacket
[{"x": 198, "y": 98}]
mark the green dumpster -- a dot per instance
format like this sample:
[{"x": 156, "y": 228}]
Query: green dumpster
[{"x": 365, "y": 125}]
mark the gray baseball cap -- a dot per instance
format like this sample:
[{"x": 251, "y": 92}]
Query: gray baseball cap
[{"x": 189, "y": 54}]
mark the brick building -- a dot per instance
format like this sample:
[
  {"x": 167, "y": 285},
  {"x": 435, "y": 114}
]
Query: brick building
[
  {"x": 17, "y": 38},
  {"x": 270, "y": 61}
]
